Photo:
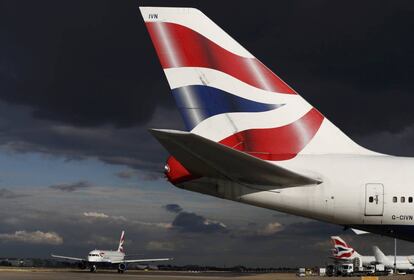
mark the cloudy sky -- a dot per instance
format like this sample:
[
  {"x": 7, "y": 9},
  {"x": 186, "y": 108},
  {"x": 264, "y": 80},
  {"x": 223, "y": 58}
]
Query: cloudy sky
[{"x": 80, "y": 84}]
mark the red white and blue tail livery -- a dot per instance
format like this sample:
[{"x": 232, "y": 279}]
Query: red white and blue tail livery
[
  {"x": 341, "y": 250},
  {"x": 121, "y": 242},
  {"x": 252, "y": 138}
]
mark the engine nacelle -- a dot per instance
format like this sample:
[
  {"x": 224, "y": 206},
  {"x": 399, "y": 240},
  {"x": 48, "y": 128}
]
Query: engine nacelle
[
  {"x": 122, "y": 267},
  {"x": 82, "y": 265}
]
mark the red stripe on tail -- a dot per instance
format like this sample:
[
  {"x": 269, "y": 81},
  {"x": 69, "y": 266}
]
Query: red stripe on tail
[
  {"x": 179, "y": 46},
  {"x": 279, "y": 143},
  {"x": 338, "y": 242}
]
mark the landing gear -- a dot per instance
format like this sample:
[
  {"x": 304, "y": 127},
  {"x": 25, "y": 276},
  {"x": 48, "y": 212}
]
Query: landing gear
[
  {"x": 121, "y": 271},
  {"x": 93, "y": 268}
]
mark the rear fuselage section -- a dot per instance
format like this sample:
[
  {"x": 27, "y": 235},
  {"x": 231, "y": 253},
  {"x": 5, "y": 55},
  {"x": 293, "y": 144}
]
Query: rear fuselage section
[{"x": 372, "y": 193}]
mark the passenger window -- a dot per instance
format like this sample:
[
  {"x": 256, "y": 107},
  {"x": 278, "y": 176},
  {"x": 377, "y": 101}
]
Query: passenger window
[
  {"x": 410, "y": 199},
  {"x": 371, "y": 199},
  {"x": 402, "y": 199},
  {"x": 394, "y": 199}
]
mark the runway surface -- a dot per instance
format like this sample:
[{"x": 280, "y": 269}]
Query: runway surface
[{"x": 46, "y": 274}]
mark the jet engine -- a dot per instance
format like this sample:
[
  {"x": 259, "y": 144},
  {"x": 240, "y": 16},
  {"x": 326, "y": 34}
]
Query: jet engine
[
  {"x": 122, "y": 267},
  {"x": 82, "y": 265}
]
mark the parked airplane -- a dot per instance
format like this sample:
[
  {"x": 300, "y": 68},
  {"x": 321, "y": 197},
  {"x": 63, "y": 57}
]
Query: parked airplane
[
  {"x": 343, "y": 252},
  {"x": 106, "y": 258},
  {"x": 253, "y": 139},
  {"x": 403, "y": 263}
]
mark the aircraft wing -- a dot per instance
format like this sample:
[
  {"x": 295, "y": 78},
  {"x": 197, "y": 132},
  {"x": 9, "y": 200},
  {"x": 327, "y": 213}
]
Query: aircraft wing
[
  {"x": 204, "y": 157},
  {"x": 68, "y": 258},
  {"x": 143, "y": 260}
]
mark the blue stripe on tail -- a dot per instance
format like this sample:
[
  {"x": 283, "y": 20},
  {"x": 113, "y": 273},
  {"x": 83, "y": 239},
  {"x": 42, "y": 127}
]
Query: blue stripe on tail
[{"x": 198, "y": 102}]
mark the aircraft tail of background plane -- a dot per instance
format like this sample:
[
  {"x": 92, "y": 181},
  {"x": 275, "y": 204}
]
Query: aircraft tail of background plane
[
  {"x": 342, "y": 250},
  {"x": 121, "y": 242},
  {"x": 380, "y": 257}
]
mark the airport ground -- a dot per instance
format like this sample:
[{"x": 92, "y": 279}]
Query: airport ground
[{"x": 70, "y": 274}]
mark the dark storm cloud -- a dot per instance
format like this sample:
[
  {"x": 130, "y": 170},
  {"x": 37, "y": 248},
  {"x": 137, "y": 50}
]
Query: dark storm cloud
[
  {"x": 174, "y": 208},
  {"x": 133, "y": 147},
  {"x": 79, "y": 70},
  {"x": 88, "y": 76},
  {"x": 8, "y": 194},
  {"x": 72, "y": 186},
  {"x": 191, "y": 222},
  {"x": 79, "y": 63}
]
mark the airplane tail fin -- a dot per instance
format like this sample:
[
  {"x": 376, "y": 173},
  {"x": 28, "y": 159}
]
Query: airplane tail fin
[
  {"x": 227, "y": 95},
  {"x": 342, "y": 250},
  {"x": 380, "y": 257},
  {"x": 121, "y": 242}
]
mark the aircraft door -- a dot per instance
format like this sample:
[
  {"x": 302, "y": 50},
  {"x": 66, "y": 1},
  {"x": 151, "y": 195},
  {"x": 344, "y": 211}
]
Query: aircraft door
[{"x": 374, "y": 199}]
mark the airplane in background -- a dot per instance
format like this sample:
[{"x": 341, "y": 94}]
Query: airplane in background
[
  {"x": 106, "y": 258},
  {"x": 251, "y": 138},
  {"x": 344, "y": 253},
  {"x": 403, "y": 263}
]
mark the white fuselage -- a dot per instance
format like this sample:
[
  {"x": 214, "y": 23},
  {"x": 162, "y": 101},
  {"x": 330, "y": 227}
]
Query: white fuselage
[
  {"x": 367, "y": 260},
  {"x": 361, "y": 191},
  {"x": 402, "y": 263},
  {"x": 105, "y": 256}
]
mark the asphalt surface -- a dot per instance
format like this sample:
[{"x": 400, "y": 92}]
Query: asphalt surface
[{"x": 46, "y": 274}]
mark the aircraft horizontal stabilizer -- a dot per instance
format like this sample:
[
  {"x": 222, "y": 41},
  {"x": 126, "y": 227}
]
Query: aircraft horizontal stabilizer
[{"x": 203, "y": 157}]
